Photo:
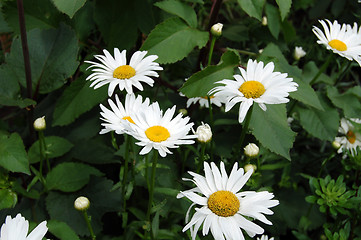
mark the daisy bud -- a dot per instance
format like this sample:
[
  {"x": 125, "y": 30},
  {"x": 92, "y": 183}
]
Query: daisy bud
[
  {"x": 336, "y": 145},
  {"x": 264, "y": 21},
  {"x": 183, "y": 111},
  {"x": 81, "y": 203},
  {"x": 40, "y": 124},
  {"x": 249, "y": 166},
  {"x": 251, "y": 150},
  {"x": 216, "y": 29},
  {"x": 298, "y": 53},
  {"x": 204, "y": 133}
]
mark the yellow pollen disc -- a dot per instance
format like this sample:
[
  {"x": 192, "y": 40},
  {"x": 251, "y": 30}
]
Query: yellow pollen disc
[
  {"x": 252, "y": 89},
  {"x": 124, "y": 72},
  {"x": 223, "y": 203},
  {"x": 206, "y": 97},
  {"x": 338, "y": 45},
  {"x": 157, "y": 133},
  {"x": 351, "y": 137},
  {"x": 129, "y": 119}
]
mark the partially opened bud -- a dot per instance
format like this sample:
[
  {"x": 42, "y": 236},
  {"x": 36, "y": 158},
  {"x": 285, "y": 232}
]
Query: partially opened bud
[
  {"x": 216, "y": 29},
  {"x": 204, "y": 133},
  {"x": 249, "y": 166},
  {"x": 40, "y": 124},
  {"x": 251, "y": 150},
  {"x": 298, "y": 53},
  {"x": 81, "y": 203},
  {"x": 264, "y": 21}
]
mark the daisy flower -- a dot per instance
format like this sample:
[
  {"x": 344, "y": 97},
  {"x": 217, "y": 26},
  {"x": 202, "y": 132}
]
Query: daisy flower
[
  {"x": 17, "y": 229},
  {"x": 118, "y": 112},
  {"x": 258, "y": 84},
  {"x": 350, "y": 139},
  {"x": 224, "y": 209},
  {"x": 116, "y": 71},
  {"x": 265, "y": 237},
  {"x": 158, "y": 131},
  {"x": 341, "y": 39},
  {"x": 203, "y": 101}
]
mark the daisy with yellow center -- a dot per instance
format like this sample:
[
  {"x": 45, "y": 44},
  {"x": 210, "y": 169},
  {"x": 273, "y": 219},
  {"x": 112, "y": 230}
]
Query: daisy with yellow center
[
  {"x": 341, "y": 39},
  {"x": 116, "y": 72},
  {"x": 350, "y": 139},
  {"x": 258, "y": 84},
  {"x": 160, "y": 131},
  {"x": 118, "y": 112},
  {"x": 224, "y": 209}
]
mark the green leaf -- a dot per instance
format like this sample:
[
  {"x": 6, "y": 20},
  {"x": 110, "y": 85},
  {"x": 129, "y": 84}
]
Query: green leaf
[
  {"x": 172, "y": 40},
  {"x": 77, "y": 99},
  {"x": 13, "y": 156},
  {"x": 309, "y": 72},
  {"x": 180, "y": 9},
  {"x": 349, "y": 101},
  {"x": 55, "y": 147},
  {"x": 8, "y": 198},
  {"x": 61, "y": 230},
  {"x": 253, "y": 7},
  {"x": 53, "y": 55},
  {"x": 69, "y": 7},
  {"x": 273, "y": 19},
  {"x": 70, "y": 177},
  {"x": 200, "y": 83},
  {"x": 271, "y": 129},
  {"x": 285, "y": 6}
]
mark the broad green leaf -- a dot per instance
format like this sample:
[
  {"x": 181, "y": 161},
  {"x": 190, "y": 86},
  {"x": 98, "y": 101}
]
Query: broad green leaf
[
  {"x": 200, "y": 83},
  {"x": 13, "y": 156},
  {"x": 4, "y": 26},
  {"x": 8, "y": 198},
  {"x": 70, "y": 177},
  {"x": 271, "y": 129},
  {"x": 285, "y": 6},
  {"x": 143, "y": 10},
  {"x": 53, "y": 55},
  {"x": 69, "y": 7},
  {"x": 55, "y": 147},
  {"x": 349, "y": 101},
  {"x": 309, "y": 72},
  {"x": 180, "y": 9},
  {"x": 253, "y": 7},
  {"x": 172, "y": 40},
  {"x": 61, "y": 230},
  {"x": 77, "y": 99},
  {"x": 273, "y": 19}
]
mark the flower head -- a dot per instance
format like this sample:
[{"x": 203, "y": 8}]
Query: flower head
[
  {"x": 264, "y": 21},
  {"x": 203, "y": 101},
  {"x": 156, "y": 130},
  {"x": 204, "y": 133},
  {"x": 344, "y": 39},
  {"x": 350, "y": 139},
  {"x": 116, "y": 71},
  {"x": 119, "y": 112},
  {"x": 251, "y": 150},
  {"x": 258, "y": 84},
  {"x": 17, "y": 229},
  {"x": 224, "y": 209},
  {"x": 216, "y": 29},
  {"x": 299, "y": 53},
  {"x": 40, "y": 124},
  {"x": 265, "y": 237},
  {"x": 81, "y": 203}
]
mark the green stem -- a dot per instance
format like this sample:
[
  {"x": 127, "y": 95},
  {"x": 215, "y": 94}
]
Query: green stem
[
  {"x": 343, "y": 72},
  {"x": 125, "y": 174},
  {"x": 211, "y": 123},
  {"x": 322, "y": 69},
  {"x": 151, "y": 190},
  {"x": 324, "y": 163},
  {"x": 43, "y": 152},
  {"x": 247, "y": 52},
  {"x": 87, "y": 220},
  {"x": 213, "y": 41},
  {"x": 245, "y": 128},
  {"x": 201, "y": 159},
  {"x": 114, "y": 141}
]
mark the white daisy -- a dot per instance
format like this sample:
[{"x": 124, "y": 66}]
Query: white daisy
[
  {"x": 116, "y": 71},
  {"x": 258, "y": 84},
  {"x": 158, "y": 131},
  {"x": 350, "y": 139},
  {"x": 341, "y": 39},
  {"x": 114, "y": 116},
  {"x": 264, "y": 237},
  {"x": 224, "y": 209},
  {"x": 17, "y": 229},
  {"x": 203, "y": 101}
]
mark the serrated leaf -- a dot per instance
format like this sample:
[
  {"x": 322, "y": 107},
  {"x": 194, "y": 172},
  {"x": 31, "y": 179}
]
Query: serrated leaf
[
  {"x": 271, "y": 129},
  {"x": 273, "y": 19},
  {"x": 13, "y": 156},
  {"x": 70, "y": 177},
  {"x": 77, "y": 99},
  {"x": 53, "y": 55},
  {"x": 180, "y": 9},
  {"x": 69, "y": 7},
  {"x": 172, "y": 40},
  {"x": 55, "y": 147},
  {"x": 349, "y": 101},
  {"x": 253, "y": 7},
  {"x": 200, "y": 83},
  {"x": 285, "y": 6},
  {"x": 61, "y": 230}
]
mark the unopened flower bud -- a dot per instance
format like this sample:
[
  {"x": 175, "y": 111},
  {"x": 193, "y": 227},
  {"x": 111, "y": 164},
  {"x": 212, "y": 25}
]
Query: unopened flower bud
[
  {"x": 183, "y": 111},
  {"x": 251, "y": 150},
  {"x": 216, "y": 29},
  {"x": 81, "y": 203},
  {"x": 204, "y": 133},
  {"x": 298, "y": 53},
  {"x": 40, "y": 124},
  {"x": 336, "y": 145},
  {"x": 264, "y": 21},
  {"x": 249, "y": 166}
]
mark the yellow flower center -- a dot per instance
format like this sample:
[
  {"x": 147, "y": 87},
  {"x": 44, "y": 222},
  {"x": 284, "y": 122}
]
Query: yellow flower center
[
  {"x": 124, "y": 72},
  {"x": 157, "y": 133},
  {"x": 252, "y": 89},
  {"x": 351, "y": 137},
  {"x": 129, "y": 119},
  {"x": 338, "y": 45},
  {"x": 223, "y": 203}
]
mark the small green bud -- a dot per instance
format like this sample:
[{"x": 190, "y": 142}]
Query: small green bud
[{"x": 81, "y": 203}]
